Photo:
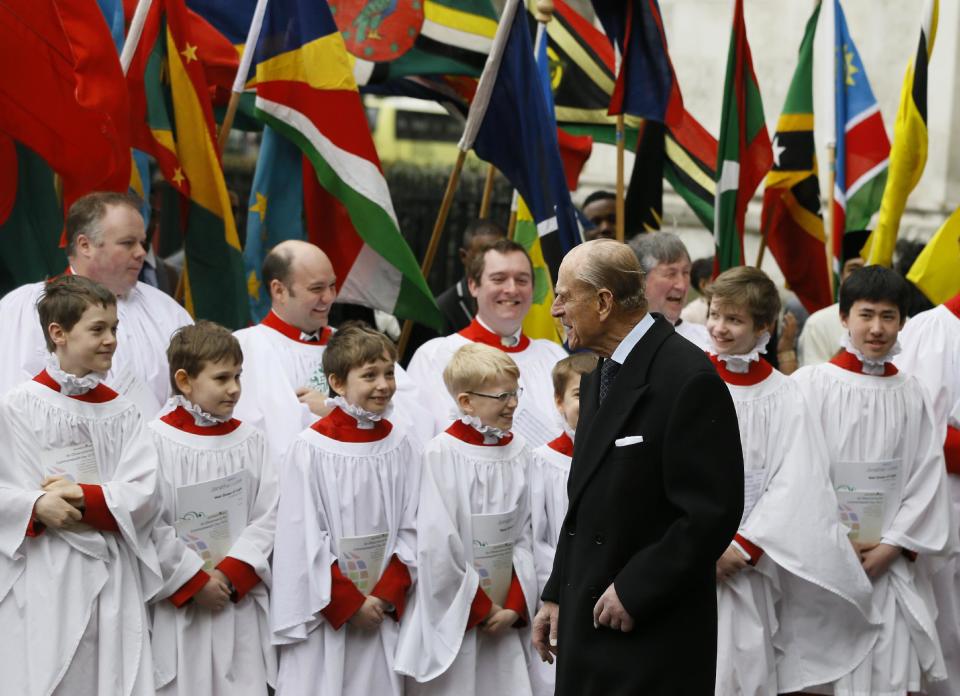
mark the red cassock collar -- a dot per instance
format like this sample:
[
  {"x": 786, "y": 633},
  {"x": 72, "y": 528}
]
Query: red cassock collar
[
  {"x": 953, "y": 305},
  {"x": 758, "y": 372},
  {"x": 181, "y": 419},
  {"x": 563, "y": 445},
  {"x": 292, "y": 332},
  {"x": 342, "y": 427},
  {"x": 477, "y": 333},
  {"x": 98, "y": 395},
  {"x": 472, "y": 436},
  {"x": 849, "y": 361}
]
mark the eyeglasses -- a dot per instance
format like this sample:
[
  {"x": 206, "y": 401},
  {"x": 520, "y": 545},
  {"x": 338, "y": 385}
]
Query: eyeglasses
[{"x": 502, "y": 397}]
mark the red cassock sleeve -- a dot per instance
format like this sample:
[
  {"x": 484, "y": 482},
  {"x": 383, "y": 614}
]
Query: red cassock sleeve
[
  {"x": 345, "y": 598},
  {"x": 241, "y": 575},
  {"x": 189, "y": 589},
  {"x": 755, "y": 551},
  {"x": 951, "y": 450},
  {"x": 96, "y": 513},
  {"x": 393, "y": 586}
]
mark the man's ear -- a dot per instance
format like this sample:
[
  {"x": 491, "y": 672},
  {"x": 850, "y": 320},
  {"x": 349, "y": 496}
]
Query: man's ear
[
  {"x": 182, "y": 380},
  {"x": 463, "y": 256},
  {"x": 83, "y": 244},
  {"x": 473, "y": 287},
  {"x": 604, "y": 303},
  {"x": 277, "y": 289}
]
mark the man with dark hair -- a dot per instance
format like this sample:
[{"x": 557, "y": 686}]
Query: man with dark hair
[
  {"x": 600, "y": 209},
  {"x": 105, "y": 243},
  {"x": 500, "y": 279},
  {"x": 701, "y": 273}
]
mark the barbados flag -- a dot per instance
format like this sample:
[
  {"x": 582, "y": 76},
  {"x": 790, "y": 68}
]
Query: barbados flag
[{"x": 305, "y": 90}]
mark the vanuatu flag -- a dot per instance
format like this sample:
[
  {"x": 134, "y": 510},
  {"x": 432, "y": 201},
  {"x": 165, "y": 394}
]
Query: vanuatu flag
[
  {"x": 306, "y": 92},
  {"x": 172, "y": 120},
  {"x": 744, "y": 154},
  {"x": 791, "y": 220}
]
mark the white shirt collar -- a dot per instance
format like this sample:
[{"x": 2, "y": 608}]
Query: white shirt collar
[
  {"x": 632, "y": 339},
  {"x": 509, "y": 340}
]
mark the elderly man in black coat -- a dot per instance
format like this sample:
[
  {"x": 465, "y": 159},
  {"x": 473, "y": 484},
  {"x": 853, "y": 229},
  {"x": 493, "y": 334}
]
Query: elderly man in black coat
[{"x": 655, "y": 492}]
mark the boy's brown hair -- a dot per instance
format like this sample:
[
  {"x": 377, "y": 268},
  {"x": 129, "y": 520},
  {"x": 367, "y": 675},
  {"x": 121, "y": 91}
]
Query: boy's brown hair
[
  {"x": 575, "y": 365},
  {"x": 64, "y": 301},
  {"x": 354, "y": 345},
  {"x": 192, "y": 347},
  {"x": 750, "y": 288}
]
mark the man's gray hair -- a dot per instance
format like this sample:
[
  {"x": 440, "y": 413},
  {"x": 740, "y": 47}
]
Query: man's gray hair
[
  {"x": 654, "y": 248},
  {"x": 612, "y": 265}
]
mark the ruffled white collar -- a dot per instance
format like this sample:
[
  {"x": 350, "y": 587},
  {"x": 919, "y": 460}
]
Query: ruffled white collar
[
  {"x": 491, "y": 434},
  {"x": 740, "y": 364},
  {"x": 871, "y": 366},
  {"x": 366, "y": 420},
  {"x": 71, "y": 385},
  {"x": 200, "y": 417}
]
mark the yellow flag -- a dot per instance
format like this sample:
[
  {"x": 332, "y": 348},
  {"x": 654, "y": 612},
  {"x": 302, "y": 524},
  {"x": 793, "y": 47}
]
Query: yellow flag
[
  {"x": 937, "y": 270},
  {"x": 539, "y": 323},
  {"x": 908, "y": 156}
]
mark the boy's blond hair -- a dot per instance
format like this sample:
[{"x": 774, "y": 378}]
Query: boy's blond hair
[
  {"x": 475, "y": 365},
  {"x": 193, "y": 346},
  {"x": 354, "y": 345},
  {"x": 575, "y": 365},
  {"x": 750, "y": 288}
]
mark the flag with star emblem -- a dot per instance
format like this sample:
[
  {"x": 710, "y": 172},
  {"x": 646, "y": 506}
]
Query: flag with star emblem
[
  {"x": 172, "y": 120},
  {"x": 306, "y": 92},
  {"x": 863, "y": 149},
  {"x": 908, "y": 156},
  {"x": 744, "y": 154},
  {"x": 791, "y": 220}
]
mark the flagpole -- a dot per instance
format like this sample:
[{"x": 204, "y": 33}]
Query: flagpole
[
  {"x": 621, "y": 146},
  {"x": 763, "y": 247},
  {"x": 487, "y": 192},
  {"x": 134, "y": 34},
  {"x": 512, "y": 222},
  {"x": 831, "y": 235},
  {"x": 240, "y": 79}
]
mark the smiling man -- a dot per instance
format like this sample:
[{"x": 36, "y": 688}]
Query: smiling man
[
  {"x": 105, "y": 243},
  {"x": 501, "y": 280}
]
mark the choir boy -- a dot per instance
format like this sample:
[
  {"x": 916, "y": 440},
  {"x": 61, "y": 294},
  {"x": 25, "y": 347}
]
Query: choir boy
[
  {"x": 886, "y": 464},
  {"x": 219, "y": 492},
  {"x": 77, "y": 503},
  {"x": 476, "y": 582},
  {"x": 346, "y": 531}
]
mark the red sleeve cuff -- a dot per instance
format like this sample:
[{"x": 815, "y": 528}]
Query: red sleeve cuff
[
  {"x": 910, "y": 555},
  {"x": 35, "y": 527},
  {"x": 189, "y": 588},
  {"x": 345, "y": 598},
  {"x": 516, "y": 601},
  {"x": 241, "y": 575},
  {"x": 96, "y": 513},
  {"x": 754, "y": 551},
  {"x": 951, "y": 450},
  {"x": 479, "y": 610},
  {"x": 393, "y": 586}
]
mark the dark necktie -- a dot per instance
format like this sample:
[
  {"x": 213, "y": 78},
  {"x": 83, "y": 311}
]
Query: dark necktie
[{"x": 608, "y": 373}]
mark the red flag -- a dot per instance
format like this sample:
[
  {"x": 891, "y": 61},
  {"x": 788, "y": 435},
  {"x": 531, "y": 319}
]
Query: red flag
[
  {"x": 62, "y": 92},
  {"x": 574, "y": 152}
]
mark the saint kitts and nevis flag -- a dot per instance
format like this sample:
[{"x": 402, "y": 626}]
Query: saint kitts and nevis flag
[
  {"x": 744, "y": 154},
  {"x": 172, "y": 120},
  {"x": 791, "y": 221},
  {"x": 863, "y": 150},
  {"x": 306, "y": 92}
]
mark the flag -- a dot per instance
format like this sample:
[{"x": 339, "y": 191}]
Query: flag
[
  {"x": 62, "y": 92},
  {"x": 744, "y": 154},
  {"x": 274, "y": 212},
  {"x": 510, "y": 126},
  {"x": 790, "y": 221},
  {"x": 538, "y": 323},
  {"x": 645, "y": 79},
  {"x": 643, "y": 207},
  {"x": 306, "y": 91},
  {"x": 909, "y": 154},
  {"x": 690, "y": 158},
  {"x": 863, "y": 150},
  {"x": 937, "y": 269},
  {"x": 173, "y": 122}
]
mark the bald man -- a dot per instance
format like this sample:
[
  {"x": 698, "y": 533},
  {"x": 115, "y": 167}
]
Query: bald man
[{"x": 284, "y": 388}]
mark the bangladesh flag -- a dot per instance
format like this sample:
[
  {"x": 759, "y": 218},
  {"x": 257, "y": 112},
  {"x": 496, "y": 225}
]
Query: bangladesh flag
[{"x": 744, "y": 155}]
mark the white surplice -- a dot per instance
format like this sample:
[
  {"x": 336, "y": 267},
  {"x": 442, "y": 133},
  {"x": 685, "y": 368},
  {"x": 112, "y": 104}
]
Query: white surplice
[
  {"x": 808, "y": 588},
  {"x": 869, "y": 419},
  {"x": 695, "y": 333},
  {"x": 225, "y": 653},
  {"x": 147, "y": 318},
  {"x": 330, "y": 490},
  {"x": 460, "y": 480},
  {"x": 72, "y": 602}
]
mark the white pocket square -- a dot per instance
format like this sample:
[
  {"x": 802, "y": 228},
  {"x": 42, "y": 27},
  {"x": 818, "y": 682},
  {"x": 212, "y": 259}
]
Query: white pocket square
[{"x": 629, "y": 440}]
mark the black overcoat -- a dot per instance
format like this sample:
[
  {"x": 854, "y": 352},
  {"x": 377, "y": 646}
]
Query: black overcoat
[{"x": 652, "y": 517}]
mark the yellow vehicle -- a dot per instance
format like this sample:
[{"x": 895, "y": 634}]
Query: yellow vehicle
[{"x": 413, "y": 131}]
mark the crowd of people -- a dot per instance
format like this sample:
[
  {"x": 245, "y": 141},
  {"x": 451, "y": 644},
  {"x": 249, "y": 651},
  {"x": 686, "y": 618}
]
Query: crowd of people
[{"x": 652, "y": 508}]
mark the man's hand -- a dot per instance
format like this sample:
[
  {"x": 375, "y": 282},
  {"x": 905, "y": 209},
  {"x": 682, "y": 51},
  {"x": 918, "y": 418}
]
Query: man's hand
[
  {"x": 545, "y": 625},
  {"x": 55, "y": 512},
  {"x": 877, "y": 558},
  {"x": 214, "y": 595},
  {"x": 370, "y": 615},
  {"x": 314, "y": 400},
  {"x": 65, "y": 488},
  {"x": 610, "y": 612},
  {"x": 499, "y": 620},
  {"x": 730, "y": 563}
]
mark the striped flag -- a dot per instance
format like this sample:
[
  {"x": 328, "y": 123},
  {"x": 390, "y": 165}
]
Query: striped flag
[
  {"x": 863, "y": 150},
  {"x": 305, "y": 90},
  {"x": 744, "y": 153},
  {"x": 909, "y": 154},
  {"x": 791, "y": 221}
]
